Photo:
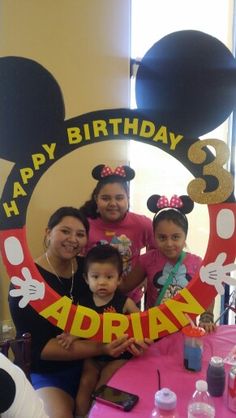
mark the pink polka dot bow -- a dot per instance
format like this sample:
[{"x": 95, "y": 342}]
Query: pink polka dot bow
[
  {"x": 107, "y": 171},
  {"x": 175, "y": 202}
]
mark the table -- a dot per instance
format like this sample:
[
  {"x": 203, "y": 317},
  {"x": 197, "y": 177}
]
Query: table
[{"x": 139, "y": 375}]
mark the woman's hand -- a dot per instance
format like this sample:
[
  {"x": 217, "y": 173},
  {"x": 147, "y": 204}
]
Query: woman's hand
[
  {"x": 118, "y": 346},
  {"x": 138, "y": 348},
  {"x": 121, "y": 344}
]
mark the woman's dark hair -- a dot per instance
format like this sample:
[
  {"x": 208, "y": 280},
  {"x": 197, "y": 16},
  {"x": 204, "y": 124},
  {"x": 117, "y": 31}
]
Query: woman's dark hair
[
  {"x": 104, "y": 253},
  {"x": 60, "y": 213},
  {"x": 89, "y": 208}
]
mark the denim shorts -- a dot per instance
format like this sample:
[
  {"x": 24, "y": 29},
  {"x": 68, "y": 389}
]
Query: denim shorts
[{"x": 67, "y": 380}]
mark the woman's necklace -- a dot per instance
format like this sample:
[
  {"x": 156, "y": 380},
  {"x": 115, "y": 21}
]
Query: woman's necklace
[{"x": 58, "y": 277}]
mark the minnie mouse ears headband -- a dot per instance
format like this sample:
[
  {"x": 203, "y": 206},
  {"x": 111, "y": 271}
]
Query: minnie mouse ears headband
[
  {"x": 183, "y": 204},
  {"x": 102, "y": 171}
]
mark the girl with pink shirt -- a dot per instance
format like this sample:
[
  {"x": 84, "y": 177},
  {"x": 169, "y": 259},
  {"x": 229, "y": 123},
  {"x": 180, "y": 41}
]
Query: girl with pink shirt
[
  {"x": 168, "y": 268},
  {"x": 111, "y": 222}
]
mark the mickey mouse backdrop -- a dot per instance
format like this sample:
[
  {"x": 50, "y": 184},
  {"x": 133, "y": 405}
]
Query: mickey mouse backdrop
[{"x": 186, "y": 86}]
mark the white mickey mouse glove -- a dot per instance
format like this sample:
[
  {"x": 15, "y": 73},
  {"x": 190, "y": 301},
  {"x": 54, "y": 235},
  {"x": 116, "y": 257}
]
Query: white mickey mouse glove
[
  {"x": 30, "y": 289},
  {"x": 215, "y": 274}
]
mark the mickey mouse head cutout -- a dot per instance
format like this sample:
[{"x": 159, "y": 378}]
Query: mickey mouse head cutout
[{"x": 186, "y": 86}]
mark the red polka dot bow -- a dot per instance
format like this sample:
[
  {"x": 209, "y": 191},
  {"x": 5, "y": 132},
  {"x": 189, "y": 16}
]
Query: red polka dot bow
[
  {"x": 175, "y": 202},
  {"x": 107, "y": 171}
]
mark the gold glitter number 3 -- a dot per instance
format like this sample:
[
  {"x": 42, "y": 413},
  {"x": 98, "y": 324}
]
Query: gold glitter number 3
[{"x": 196, "y": 188}]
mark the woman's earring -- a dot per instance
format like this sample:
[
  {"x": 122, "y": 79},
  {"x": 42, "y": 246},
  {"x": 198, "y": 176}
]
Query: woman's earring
[{"x": 47, "y": 242}]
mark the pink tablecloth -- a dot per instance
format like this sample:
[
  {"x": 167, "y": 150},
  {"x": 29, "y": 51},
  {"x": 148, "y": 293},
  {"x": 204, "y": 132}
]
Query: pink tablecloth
[{"x": 139, "y": 375}]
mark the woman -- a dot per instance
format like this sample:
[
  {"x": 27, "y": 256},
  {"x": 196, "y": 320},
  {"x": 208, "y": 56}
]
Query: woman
[{"x": 56, "y": 371}]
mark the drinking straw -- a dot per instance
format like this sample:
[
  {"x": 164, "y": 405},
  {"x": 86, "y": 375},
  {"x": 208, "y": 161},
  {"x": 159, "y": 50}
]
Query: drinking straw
[
  {"x": 229, "y": 306},
  {"x": 159, "y": 379},
  {"x": 222, "y": 314},
  {"x": 193, "y": 325}
]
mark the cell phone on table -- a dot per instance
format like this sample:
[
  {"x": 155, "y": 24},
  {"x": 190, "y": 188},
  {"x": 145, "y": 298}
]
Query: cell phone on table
[{"x": 115, "y": 397}]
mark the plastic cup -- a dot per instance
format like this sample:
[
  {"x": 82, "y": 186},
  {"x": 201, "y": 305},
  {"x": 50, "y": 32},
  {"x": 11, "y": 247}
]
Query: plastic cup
[
  {"x": 193, "y": 348},
  {"x": 7, "y": 330}
]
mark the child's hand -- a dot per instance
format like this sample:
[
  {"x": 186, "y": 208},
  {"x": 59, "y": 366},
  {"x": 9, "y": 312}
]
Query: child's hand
[
  {"x": 66, "y": 340},
  {"x": 206, "y": 321},
  {"x": 207, "y": 326}
]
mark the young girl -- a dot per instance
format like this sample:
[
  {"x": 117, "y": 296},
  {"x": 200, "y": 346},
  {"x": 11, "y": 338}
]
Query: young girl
[
  {"x": 111, "y": 222},
  {"x": 168, "y": 268},
  {"x": 102, "y": 271}
]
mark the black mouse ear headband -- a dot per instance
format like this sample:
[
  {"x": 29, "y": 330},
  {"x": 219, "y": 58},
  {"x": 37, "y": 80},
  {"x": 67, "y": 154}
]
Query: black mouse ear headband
[
  {"x": 183, "y": 204},
  {"x": 102, "y": 171}
]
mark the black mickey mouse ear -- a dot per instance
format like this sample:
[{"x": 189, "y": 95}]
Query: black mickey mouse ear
[
  {"x": 130, "y": 173},
  {"x": 188, "y": 204},
  {"x": 124, "y": 172},
  {"x": 8, "y": 391},
  {"x": 187, "y": 72},
  {"x": 152, "y": 203},
  {"x": 97, "y": 171},
  {"x": 31, "y": 107}
]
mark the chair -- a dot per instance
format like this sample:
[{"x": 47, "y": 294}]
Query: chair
[{"x": 19, "y": 350}]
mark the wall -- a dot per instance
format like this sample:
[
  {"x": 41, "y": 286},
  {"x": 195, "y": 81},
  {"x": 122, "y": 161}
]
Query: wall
[
  {"x": 157, "y": 176},
  {"x": 85, "y": 44}
]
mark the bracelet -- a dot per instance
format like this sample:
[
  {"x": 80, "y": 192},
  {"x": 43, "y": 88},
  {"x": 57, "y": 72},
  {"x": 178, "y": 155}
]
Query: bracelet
[{"x": 206, "y": 317}]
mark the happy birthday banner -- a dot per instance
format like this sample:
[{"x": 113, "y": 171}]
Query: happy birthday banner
[{"x": 185, "y": 87}]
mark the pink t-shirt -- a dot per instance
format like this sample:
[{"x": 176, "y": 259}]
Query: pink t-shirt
[
  {"x": 157, "y": 268},
  {"x": 129, "y": 235}
]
